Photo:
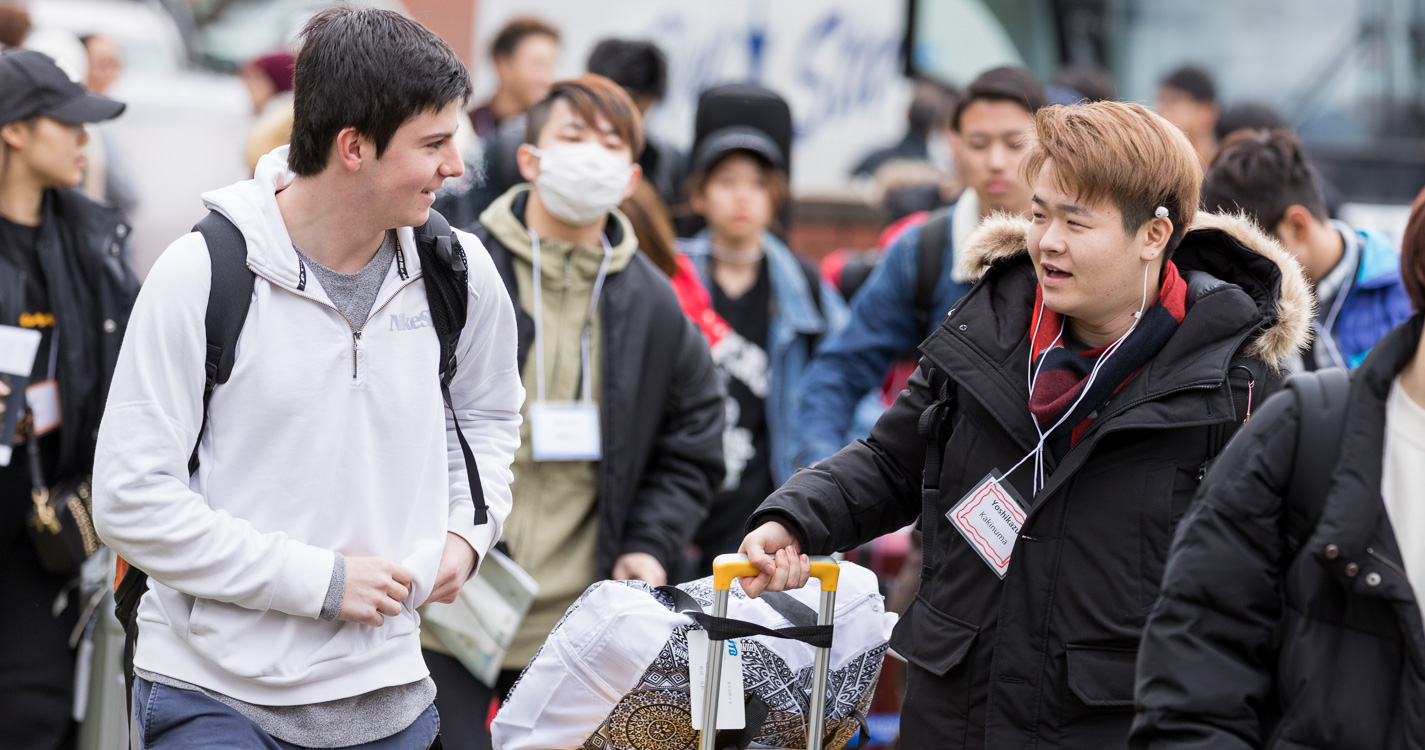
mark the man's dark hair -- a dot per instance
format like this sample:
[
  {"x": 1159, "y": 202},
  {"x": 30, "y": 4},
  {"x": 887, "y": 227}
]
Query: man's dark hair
[
  {"x": 1003, "y": 84},
  {"x": 1262, "y": 172},
  {"x": 371, "y": 70},
  {"x": 1193, "y": 81},
  {"x": 1249, "y": 116},
  {"x": 515, "y": 31},
  {"x": 639, "y": 67}
]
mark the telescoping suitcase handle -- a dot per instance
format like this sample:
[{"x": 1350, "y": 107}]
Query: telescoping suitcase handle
[{"x": 728, "y": 567}]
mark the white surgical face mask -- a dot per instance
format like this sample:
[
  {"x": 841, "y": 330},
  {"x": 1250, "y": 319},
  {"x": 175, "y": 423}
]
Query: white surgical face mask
[{"x": 580, "y": 182}]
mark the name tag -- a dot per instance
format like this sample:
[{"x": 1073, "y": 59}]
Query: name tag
[
  {"x": 43, "y": 400},
  {"x": 731, "y": 713},
  {"x": 564, "y": 431},
  {"x": 989, "y": 518}
]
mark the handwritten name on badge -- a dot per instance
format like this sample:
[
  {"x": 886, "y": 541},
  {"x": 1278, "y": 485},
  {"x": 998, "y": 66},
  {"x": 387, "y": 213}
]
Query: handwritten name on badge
[{"x": 990, "y": 518}]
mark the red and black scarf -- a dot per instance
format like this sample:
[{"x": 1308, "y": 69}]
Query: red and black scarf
[{"x": 1063, "y": 372}]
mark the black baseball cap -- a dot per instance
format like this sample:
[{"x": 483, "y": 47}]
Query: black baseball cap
[
  {"x": 754, "y": 116},
  {"x": 32, "y": 84},
  {"x": 737, "y": 138}
]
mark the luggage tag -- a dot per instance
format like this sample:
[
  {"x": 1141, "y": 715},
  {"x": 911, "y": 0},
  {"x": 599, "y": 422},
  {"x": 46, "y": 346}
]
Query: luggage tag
[
  {"x": 731, "y": 713},
  {"x": 43, "y": 401},
  {"x": 565, "y": 431},
  {"x": 990, "y": 517}
]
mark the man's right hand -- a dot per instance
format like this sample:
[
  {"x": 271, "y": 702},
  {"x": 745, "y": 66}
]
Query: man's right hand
[
  {"x": 375, "y": 588},
  {"x": 773, "y": 549}
]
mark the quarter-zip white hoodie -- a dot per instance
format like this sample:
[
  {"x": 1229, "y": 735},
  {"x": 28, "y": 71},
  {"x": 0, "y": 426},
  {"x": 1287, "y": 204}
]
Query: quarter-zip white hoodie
[{"x": 323, "y": 441}]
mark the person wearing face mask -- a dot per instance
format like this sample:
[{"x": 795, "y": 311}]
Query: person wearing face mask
[
  {"x": 1060, "y": 420},
  {"x": 923, "y": 272},
  {"x": 621, "y": 444}
]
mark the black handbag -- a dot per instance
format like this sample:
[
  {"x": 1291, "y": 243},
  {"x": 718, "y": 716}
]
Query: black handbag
[{"x": 60, "y": 521}]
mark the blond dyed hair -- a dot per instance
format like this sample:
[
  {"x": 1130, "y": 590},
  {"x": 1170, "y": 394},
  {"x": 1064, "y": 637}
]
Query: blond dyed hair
[{"x": 1120, "y": 153}]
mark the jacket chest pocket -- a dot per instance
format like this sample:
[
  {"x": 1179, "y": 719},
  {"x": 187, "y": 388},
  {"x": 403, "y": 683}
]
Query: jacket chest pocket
[{"x": 1102, "y": 677}]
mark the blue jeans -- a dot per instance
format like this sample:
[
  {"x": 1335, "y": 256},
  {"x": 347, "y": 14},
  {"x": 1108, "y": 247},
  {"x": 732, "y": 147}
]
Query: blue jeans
[{"x": 170, "y": 717}]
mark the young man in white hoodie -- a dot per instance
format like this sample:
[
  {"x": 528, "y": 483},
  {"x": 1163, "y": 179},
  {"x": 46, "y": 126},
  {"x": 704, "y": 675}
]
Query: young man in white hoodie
[{"x": 331, "y": 498}]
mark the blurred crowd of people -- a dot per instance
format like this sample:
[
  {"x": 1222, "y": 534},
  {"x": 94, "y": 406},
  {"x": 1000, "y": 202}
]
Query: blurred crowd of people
[{"x": 693, "y": 385}]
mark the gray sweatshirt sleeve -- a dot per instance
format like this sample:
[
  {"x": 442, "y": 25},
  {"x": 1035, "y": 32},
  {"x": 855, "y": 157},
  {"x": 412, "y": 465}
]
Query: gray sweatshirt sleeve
[{"x": 331, "y": 607}]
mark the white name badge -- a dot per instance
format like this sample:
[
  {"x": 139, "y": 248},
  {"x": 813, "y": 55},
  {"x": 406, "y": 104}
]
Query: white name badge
[
  {"x": 43, "y": 400},
  {"x": 565, "y": 431},
  {"x": 731, "y": 713},
  {"x": 989, "y": 518}
]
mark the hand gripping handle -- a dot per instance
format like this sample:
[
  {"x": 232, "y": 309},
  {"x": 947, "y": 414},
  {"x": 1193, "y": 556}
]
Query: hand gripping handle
[{"x": 728, "y": 567}]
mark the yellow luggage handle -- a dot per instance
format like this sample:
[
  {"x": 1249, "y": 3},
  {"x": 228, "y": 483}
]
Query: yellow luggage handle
[{"x": 728, "y": 567}]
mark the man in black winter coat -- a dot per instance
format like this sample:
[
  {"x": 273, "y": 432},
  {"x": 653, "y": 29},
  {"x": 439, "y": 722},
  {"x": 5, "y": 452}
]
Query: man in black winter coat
[
  {"x": 1054, "y": 433},
  {"x": 1258, "y": 644}
]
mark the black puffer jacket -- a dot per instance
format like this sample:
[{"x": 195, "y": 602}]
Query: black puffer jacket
[
  {"x": 1044, "y": 658},
  {"x": 1251, "y": 648},
  {"x": 661, "y": 409},
  {"x": 91, "y": 291}
]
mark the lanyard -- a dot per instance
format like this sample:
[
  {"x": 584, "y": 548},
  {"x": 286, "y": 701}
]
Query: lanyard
[
  {"x": 588, "y": 382},
  {"x": 1032, "y": 373}
]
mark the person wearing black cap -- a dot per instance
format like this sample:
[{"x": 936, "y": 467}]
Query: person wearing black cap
[
  {"x": 60, "y": 275},
  {"x": 777, "y": 310}
]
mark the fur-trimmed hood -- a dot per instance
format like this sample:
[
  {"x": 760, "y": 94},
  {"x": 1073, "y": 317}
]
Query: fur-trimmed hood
[{"x": 1003, "y": 236}]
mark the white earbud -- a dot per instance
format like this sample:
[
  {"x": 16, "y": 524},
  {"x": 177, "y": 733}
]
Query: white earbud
[{"x": 1161, "y": 212}]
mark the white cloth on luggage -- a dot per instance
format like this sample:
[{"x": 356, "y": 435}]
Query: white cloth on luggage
[{"x": 615, "y": 668}]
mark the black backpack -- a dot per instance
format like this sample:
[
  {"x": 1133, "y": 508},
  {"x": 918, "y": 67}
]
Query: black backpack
[
  {"x": 445, "y": 273},
  {"x": 929, "y": 262},
  {"x": 1321, "y": 397}
]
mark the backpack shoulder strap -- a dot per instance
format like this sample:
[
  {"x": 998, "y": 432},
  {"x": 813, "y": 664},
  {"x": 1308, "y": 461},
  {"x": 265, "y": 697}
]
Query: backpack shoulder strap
[
  {"x": 446, "y": 273},
  {"x": 814, "y": 287},
  {"x": 229, "y": 296},
  {"x": 1322, "y": 398},
  {"x": 929, "y": 262}
]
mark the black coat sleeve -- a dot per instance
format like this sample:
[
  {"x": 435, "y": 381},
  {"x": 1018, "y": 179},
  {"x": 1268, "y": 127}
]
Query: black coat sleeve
[
  {"x": 1205, "y": 664},
  {"x": 687, "y": 467},
  {"x": 868, "y": 488}
]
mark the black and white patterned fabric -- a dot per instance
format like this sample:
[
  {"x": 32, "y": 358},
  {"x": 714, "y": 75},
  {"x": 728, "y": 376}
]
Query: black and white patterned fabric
[{"x": 608, "y": 627}]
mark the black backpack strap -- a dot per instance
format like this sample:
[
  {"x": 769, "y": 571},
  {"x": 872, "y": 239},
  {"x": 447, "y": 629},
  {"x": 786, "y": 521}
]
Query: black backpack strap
[
  {"x": 1322, "y": 397},
  {"x": 445, "y": 271},
  {"x": 814, "y": 288},
  {"x": 929, "y": 263},
  {"x": 229, "y": 296}
]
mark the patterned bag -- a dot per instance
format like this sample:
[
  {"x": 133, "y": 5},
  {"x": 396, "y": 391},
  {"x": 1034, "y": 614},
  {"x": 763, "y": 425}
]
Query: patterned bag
[{"x": 614, "y": 673}]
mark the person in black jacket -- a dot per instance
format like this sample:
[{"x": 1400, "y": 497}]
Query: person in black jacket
[
  {"x": 1257, "y": 643},
  {"x": 621, "y": 448},
  {"x": 1055, "y": 431},
  {"x": 60, "y": 274}
]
